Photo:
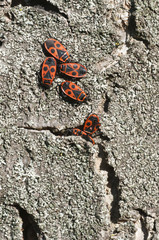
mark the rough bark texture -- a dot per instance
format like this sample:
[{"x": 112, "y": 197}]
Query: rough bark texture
[{"x": 59, "y": 187}]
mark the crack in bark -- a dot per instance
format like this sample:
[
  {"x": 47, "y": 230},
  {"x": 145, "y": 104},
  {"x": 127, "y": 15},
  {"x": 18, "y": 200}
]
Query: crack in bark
[
  {"x": 65, "y": 132},
  {"x": 111, "y": 78},
  {"x": 29, "y": 152},
  {"x": 113, "y": 184},
  {"x": 143, "y": 213},
  {"x": 144, "y": 228},
  {"x": 106, "y": 104},
  {"x": 143, "y": 222},
  {"x": 30, "y": 228},
  {"x": 53, "y": 130},
  {"x": 104, "y": 137},
  {"x": 118, "y": 86},
  {"x": 132, "y": 27},
  {"x": 2, "y": 40},
  {"x": 10, "y": 15},
  {"x": 154, "y": 227}
]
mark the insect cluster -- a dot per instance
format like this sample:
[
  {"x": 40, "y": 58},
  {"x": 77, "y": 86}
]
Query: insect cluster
[{"x": 60, "y": 61}]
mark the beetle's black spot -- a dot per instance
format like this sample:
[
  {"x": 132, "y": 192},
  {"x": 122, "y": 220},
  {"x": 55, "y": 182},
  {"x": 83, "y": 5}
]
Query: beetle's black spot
[
  {"x": 52, "y": 50},
  {"x": 69, "y": 92},
  {"x": 73, "y": 86},
  {"x": 74, "y": 73},
  {"x": 88, "y": 124},
  {"x": 45, "y": 68},
  {"x": 75, "y": 66},
  {"x": 52, "y": 69},
  {"x": 58, "y": 45},
  {"x": 47, "y": 75}
]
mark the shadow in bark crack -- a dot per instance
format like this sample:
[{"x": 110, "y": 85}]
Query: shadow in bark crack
[
  {"x": 106, "y": 104},
  {"x": 144, "y": 228},
  {"x": 47, "y": 6},
  {"x": 113, "y": 184},
  {"x": 132, "y": 27},
  {"x": 30, "y": 228},
  {"x": 143, "y": 222},
  {"x": 2, "y": 40}
]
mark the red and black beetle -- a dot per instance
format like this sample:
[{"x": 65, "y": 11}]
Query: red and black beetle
[
  {"x": 48, "y": 71},
  {"x": 74, "y": 92},
  {"x": 91, "y": 124},
  {"x": 56, "y": 49},
  {"x": 73, "y": 70}
]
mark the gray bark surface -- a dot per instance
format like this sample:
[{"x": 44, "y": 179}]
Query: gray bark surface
[{"x": 59, "y": 187}]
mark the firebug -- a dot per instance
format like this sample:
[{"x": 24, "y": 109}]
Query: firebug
[
  {"x": 73, "y": 70},
  {"x": 74, "y": 92},
  {"x": 48, "y": 71},
  {"x": 56, "y": 49},
  {"x": 91, "y": 124}
]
